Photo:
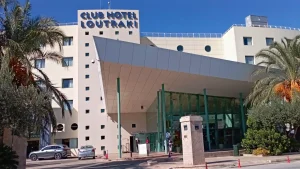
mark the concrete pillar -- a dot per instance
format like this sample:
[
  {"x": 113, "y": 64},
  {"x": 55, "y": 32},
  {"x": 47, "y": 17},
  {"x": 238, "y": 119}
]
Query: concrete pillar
[{"x": 192, "y": 140}]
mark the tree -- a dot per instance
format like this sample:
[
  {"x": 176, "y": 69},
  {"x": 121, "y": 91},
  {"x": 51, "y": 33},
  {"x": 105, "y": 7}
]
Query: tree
[{"x": 281, "y": 74}]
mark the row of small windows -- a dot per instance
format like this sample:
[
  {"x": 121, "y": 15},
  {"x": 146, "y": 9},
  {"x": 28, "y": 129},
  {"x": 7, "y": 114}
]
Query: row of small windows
[
  {"x": 207, "y": 48},
  {"x": 66, "y": 62},
  {"x": 116, "y": 33},
  {"x": 249, "y": 42},
  {"x": 74, "y": 126}
]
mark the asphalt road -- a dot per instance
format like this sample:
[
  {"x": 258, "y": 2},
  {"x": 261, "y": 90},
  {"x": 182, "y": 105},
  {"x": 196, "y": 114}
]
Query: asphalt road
[{"x": 292, "y": 165}]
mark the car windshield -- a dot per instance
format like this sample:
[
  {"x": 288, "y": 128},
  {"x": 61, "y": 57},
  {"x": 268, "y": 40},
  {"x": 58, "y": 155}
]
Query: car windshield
[{"x": 86, "y": 147}]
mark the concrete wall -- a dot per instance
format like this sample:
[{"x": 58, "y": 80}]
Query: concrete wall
[{"x": 229, "y": 45}]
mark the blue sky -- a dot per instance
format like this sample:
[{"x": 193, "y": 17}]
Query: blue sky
[{"x": 199, "y": 16}]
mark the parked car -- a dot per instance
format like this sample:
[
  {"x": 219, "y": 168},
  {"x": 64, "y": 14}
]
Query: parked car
[
  {"x": 86, "y": 151},
  {"x": 51, "y": 151}
]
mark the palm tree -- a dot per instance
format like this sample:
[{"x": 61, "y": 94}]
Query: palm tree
[
  {"x": 281, "y": 75},
  {"x": 23, "y": 39}
]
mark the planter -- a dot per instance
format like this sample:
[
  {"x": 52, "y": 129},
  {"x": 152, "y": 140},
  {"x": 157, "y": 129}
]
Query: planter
[
  {"x": 221, "y": 146},
  {"x": 252, "y": 155}
]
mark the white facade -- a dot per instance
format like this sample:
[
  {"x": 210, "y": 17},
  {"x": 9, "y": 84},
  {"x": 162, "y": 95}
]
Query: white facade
[{"x": 93, "y": 90}]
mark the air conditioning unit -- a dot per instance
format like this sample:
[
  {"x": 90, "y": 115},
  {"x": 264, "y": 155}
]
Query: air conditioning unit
[{"x": 60, "y": 127}]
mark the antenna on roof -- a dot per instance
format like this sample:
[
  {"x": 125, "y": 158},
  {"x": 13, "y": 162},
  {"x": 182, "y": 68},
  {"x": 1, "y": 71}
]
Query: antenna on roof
[{"x": 109, "y": 3}]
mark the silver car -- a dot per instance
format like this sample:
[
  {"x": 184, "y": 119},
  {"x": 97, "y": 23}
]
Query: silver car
[
  {"x": 51, "y": 151},
  {"x": 86, "y": 151}
]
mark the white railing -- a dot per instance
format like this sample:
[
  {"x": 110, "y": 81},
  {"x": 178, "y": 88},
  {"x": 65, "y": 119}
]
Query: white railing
[
  {"x": 182, "y": 35},
  {"x": 268, "y": 26}
]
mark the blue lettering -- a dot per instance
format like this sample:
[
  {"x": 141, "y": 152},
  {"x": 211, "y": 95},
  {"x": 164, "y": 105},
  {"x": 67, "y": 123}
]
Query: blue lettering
[
  {"x": 114, "y": 24},
  {"x": 88, "y": 16},
  {"x": 124, "y": 15},
  {"x": 82, "y": 25},
  {"x": 99, "y": 24},
  {"x": 82, "y": 15},
  {"x": 106, "y": 22},
  {"x": 101, "y": 15},
  {"x": 121, "y": 24},
  {"x": 94, "y": 15},
  {"x": 90, "y": 24},
  {"x": 129, "y": 24},
  {"x": 118, "y": 15},
  {"x": 134, "y": 16},
  {"x": 129, "y": 15},
  {"x": 136, "y": 24},
  {"x": 110, "y": 15}
]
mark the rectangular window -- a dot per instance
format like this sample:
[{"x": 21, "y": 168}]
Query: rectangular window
[
  {"x": 87, "y": 88},
  {"x": 67, "y": 61},
  {"x": 102, "y": 126},
  {"x": 39, "y": 63},
  {"x": 102, "y": 137},
  {"x": 103, "y": 148},
  {"x": 87, "y": 33},
  {"x": 87, "y": 138},
  {"x": 247, "y": 41},
  {"x": 87, "y": 44},
  {"x": 269, "y": 41},
  {"x": 68, "y": 41},
  {"x": 249, "y": 60},
  {"x": 116, "y": 32},
  {"x": 87, "y": 98},
  {"x": 101, "y": 32},
  {"x": 87, "y": 54},
  {"x": 73, "y": 143},
  {"x": 130, "y": 32},
  {"x": 87, "y": 127},
  {"x": 102, "y": 110},
  {"x": 87, "y": 76},
  {"x": 87, "y": 66},
  {"x": 87, "y": 111},
  {"x": 67, "y": 83},
  {"x": 70, "y": 103},
  {"x": 133, "y": 125}
]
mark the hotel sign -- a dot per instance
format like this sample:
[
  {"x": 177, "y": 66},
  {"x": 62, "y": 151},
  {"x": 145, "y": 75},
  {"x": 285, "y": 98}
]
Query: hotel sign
[{"x": 108, "y": 19}]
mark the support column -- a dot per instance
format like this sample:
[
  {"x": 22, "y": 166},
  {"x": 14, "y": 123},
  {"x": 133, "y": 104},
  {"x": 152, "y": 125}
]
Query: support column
[
  {"x": 242, "y": 114},
  {"x": 119, "y": 118},
  {"x": 164, "y": 116},
  {"x": 158, "y": 122},
  {"x": 206, "y": 119}
]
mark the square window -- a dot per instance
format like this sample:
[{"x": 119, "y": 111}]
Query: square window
[
  {"x": 87, "y": 54},
  {"x": 130, "y": 32},
  {"x": 87, "y": 76},
  {"x": 87, "y": 66},
  {"x": 67, "y": 61},
  {"x": 68, "y": 41},
  {"x": 87, "y": 33},
  {"x": 87, "y": 111},
  {"x": 87, "y": 44},
  {"x": 247, "y": 41},
  {"x": 249, "y": 60},
  {"x": 87, "y": 98},
  {"x": 87, "y": 88},
  {"x": 102, "y": 137},
  {"x": 102, "y": 110},
  {"x": 87, "y": 138},
  {"x": 39, "y": 63},
  {"x": 102, "y": 147},
  {"x": 116, "y": 32},
  {"x": 133, "y": 125},
  {"x": 269, "y": 41},
  {"x": 70, "y": 103},
  {"x": 102, "y": 126},
  {"x": 87, "y": 127},
  {"x": 67, "y": 83},
  {"x": 185, "y": 127},
  {"x": 101, "y": 32}
]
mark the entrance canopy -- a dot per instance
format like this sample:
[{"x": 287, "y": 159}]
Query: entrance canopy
[{"x": 143, "y": 69}]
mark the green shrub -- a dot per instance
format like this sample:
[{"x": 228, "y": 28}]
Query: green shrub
[
  {"x": 266, "y": 139},
  {"x": 8, "y": 158}
]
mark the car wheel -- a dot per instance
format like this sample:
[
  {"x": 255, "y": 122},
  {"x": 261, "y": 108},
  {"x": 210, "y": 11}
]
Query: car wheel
[
  {"x": 33, "y": 157},
  {"x": 57, "y": 156},
  {"x": 79, "y": 158}
]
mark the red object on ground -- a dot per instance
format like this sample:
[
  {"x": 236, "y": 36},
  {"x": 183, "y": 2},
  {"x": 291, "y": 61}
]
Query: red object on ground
[
  {"x": 106, "y": 155},
  {"x": 288, "y": 159},
  {"x": 206, "y": 167},
  {"x": 239, "y": 163}
]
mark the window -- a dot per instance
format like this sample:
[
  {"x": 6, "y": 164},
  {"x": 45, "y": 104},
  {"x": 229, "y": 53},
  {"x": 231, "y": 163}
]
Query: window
[
  {"x": 133, "y": 125},
  {"x": 87, "y": 111},
  {"x": 87, "y": 76},
  {"x": 87, "y": 98},
  {"x": 87, "y": 44},
  {"x": 87, "y": 88},
  {"x": 247, "y": 41},
  {"x": 249, "y": 60},
  {"x": 102, "y": 137},
  {"x": 102, "y": 147},
  {"x": 269, "y": 41},
  {"x": 87, "y": 54},
  {"x": 70, "y": 103},
  {"x": 102, "y": 110},
  {"x": 102, "y": 126},
  {"x": 207, "y": 48},
  {"x": 130, "y": 32},
  {"x": 67, "y": 61},
  {"x": 67, "y": 83},
  {"x": 101, "y": 32},
  {"x": 101, "y": 98},
  {"x": 180, "y": 48},
  {"x": 87, "y": 33},
  {"x": 116, "y": 32},
  {"x": 87, "y": 138},
  {"x": 87, "y": 127},
  {"x": 39, "y": 63},
  {"x": 74, "y": 126},
  {"x": 68, "y": 41},
  {"x": 87, "y": 66},
  {"x": 73, "y": 143}
]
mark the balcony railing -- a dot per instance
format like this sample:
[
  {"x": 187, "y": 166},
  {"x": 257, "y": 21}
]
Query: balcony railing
[{"x": 182, "y": 35}]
